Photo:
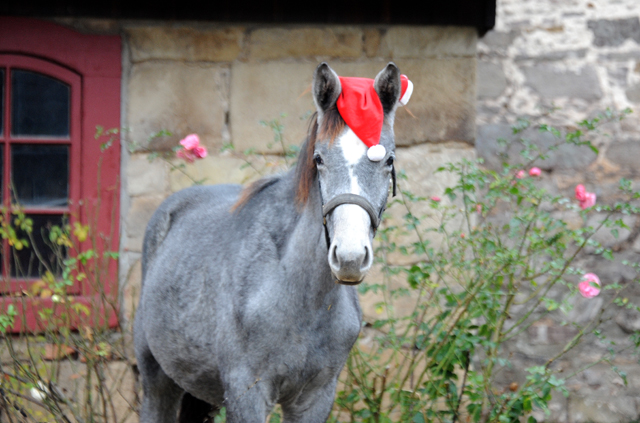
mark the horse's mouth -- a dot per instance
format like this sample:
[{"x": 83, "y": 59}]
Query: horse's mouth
[{"x": 351, "y": 283}]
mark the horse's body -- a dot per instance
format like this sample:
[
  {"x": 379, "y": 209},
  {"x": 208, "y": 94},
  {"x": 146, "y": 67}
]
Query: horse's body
[{"x": 240, "y": 307}]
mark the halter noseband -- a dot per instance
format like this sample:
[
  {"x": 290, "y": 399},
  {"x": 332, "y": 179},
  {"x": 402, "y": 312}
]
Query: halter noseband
[{"x": 356, "y": 199}]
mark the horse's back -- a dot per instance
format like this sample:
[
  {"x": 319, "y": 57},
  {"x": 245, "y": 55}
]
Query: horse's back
[{"x": 214, "y": 200}]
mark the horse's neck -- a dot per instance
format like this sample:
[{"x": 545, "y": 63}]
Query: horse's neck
[{"x": 306, "y": 252}]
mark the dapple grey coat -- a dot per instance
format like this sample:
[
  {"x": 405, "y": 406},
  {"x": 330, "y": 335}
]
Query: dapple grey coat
[{"x": 240, "y": 308}]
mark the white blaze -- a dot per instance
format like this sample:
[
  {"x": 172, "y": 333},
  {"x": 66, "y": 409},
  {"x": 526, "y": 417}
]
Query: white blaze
[
  {"x": 352, "y": 224},
  {"x": 353, "y": 150}
]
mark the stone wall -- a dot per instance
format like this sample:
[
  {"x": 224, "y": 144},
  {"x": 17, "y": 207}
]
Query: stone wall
[{"x": 582, "y": 57}]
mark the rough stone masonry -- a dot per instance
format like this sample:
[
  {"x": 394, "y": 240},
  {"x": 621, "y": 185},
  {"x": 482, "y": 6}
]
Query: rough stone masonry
[{"x": 582, "y": 57}]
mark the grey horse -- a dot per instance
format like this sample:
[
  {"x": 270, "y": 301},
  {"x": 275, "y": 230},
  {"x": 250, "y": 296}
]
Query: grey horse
[{"x": 247, "y": 298}]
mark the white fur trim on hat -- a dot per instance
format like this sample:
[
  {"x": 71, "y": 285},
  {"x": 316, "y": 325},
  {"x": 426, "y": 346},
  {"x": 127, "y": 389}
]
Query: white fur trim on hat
[{"x": 407, "y": 94}]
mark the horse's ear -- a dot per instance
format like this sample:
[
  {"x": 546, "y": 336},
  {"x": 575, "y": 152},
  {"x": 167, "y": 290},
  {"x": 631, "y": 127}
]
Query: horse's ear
[
  {"x": 326, "y": 88},
  {"x": 387, "y": 85}
]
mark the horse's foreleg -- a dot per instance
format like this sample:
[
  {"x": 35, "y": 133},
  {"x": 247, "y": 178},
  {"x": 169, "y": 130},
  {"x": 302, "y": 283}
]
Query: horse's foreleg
[
  {"x": 313, "y": 406},
  {"x": 161, "y": 394},
  {"x": 245, "y": 401}
]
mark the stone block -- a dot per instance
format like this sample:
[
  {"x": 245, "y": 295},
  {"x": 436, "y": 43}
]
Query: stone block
[
  {"x": 553, "y": 55},
  {"x": 203, "y": 44},
  {"x": 498, "y": 40},
  {"x": 443, "y": 101},
  {"x": 624, "y": 154},
  {"x": 613, "y": 409},
  {"x": 633, "y": 93},
  {"x": 567, "y": 156},
  {"x": 551, "y": 83},
  {"x": 614, "y": 32},
  {"x": 144, "y": 177},
  {"x": 491, "y": 80},
  {"x": 547, "y": 332},
  {"x": 213, "y": 170},
  {"x": 130, "y": 294},
  {"x": 371, "y": 41},
  {"x": 265, "y": 91},
  {"x": 280, "y": 43},
  {"x": 409, "y": 42},
  {"x": 140, "y": 211},
  {"x": 182, "y": 98}
]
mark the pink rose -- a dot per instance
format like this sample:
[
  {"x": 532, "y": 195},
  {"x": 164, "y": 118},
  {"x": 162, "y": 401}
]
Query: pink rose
[
  {"x": 186, "y": 155},
  {"x": 535, "y": 171},
  {"x": 587, "y": 286},
  {"x": 192, "y": 149},
  {"x": 589, "y": 200},
  {"x": 479, "y": 208},
  {"x": 580, "y": 192},
  {"x": 435, "y": 198},
  {"x": 200, "y": 152},
  {"x": 190, "y": 141},
  {"x": 521, "y": 174},
  {"x": 586, "y": 199}
]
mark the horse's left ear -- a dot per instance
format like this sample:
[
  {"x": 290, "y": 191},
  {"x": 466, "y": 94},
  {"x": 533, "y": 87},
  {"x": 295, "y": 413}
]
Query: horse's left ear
[{"x": 388, "y": 87}]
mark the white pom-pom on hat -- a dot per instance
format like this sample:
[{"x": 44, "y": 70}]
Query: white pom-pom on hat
[{"x": 376, "y": 153}]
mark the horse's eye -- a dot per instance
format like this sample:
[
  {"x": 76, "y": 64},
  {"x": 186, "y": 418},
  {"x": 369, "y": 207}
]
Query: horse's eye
[
  {"x": 390, "y": 161},
  {"x": 318, "y": 159}
]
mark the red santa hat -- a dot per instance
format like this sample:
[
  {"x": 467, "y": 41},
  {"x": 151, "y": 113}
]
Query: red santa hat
[{"x": 361, "y": 109}]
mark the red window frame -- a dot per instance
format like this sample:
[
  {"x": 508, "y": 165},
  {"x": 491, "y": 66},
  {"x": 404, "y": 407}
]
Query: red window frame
[{"x": 91, "y": 66}]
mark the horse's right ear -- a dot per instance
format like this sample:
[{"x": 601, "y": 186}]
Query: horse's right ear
[{"x": 326, "y": 88}]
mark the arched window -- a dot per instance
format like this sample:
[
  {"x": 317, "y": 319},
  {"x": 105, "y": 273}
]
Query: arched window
[
  {"x": 40, "y": 148},
  {"x": 56, "y": 87}
]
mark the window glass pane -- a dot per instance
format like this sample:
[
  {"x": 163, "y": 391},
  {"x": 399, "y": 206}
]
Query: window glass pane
[
  {"x": 25, "y": 263},
  {"x": 1, "y": 102},
  {"x": 39, "y": 104},
  {"x": 40, "y": 175}
]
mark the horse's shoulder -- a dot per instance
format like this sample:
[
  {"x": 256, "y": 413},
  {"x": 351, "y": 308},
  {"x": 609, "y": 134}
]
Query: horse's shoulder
[{"x": 190, "y": 201}]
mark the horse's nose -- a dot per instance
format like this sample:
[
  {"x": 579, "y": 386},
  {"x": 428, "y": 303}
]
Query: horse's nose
[{"x": 350, "y": 264}]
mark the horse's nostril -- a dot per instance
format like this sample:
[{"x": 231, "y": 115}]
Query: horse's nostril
[
  {"x": 334, "y": 256},
  {"x": 367, "y": 260}
]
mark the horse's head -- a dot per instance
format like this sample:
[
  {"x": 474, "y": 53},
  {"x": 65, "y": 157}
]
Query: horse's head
[{"x": 353, "y": 182}]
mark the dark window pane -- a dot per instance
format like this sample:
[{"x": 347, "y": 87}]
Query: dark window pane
[
  {"x": 40, "y": 174},
  {"x": 25, "y": 263},
  {"x": 1, "y": 102},
  {"x": 39, "y": 105}
]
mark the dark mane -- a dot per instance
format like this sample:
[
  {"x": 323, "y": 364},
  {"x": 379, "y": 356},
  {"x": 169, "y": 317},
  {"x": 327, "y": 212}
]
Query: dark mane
[
  {"x": 252, "y": 190},
  {"x": 331, "y": 126}
]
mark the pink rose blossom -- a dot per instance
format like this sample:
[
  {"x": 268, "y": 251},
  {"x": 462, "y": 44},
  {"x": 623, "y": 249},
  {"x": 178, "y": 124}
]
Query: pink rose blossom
[
  {"x": 192, "y": 149},
  {"x": 200, "y": 152},
  {"x": 521, "y": 174},
  {"x": 479, "y": 208},
  {"x": 587, "y": 288},
  {"x": 535, "y": 171},
  {"x": 586, "y": 199},
  {"x": 186, "y": 155},
  {"x": 190, "y": 141},
  {"x": 589, "y": 200},
  {"x": 435, "y": 198}
]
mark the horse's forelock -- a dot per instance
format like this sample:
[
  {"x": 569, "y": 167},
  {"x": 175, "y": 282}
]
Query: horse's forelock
[{"x": 330, "y": 127}]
